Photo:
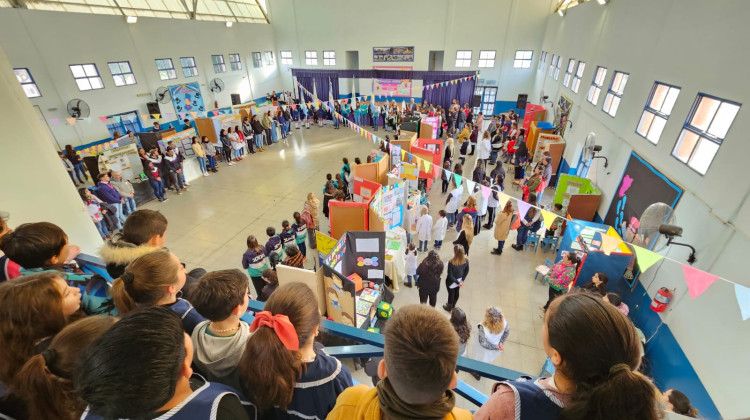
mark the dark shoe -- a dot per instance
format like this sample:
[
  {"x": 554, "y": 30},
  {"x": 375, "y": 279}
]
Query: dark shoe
[
  {"x": 497, "y": 251},
  {"x": 407, "y": 285},
  {"x": 487, "y": 226},
  {"x": 477, "y": 377},
  {"x": 447, "y": 308}
]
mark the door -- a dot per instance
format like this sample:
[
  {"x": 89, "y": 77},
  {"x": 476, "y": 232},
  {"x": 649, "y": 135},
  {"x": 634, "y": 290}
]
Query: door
[{"x": 488, "y": 95}]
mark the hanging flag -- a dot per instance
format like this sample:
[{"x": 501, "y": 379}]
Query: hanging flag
[
  {"x": 743, "y": 299},
  {"x": 646, "y": 258},
  {"x": 471, "y": 184},
  {"x": 117, "y": 118},
  {"x": 144, "y": 117},
  {"x": 403, "y": 154},
  {"x": 54, "y": 121},
  {"x": 503, "y": 199},
  {"x": 194, "y": 114},
  {"x": 71, "y": 121},
  {"x": 170, "y": 115},
  {"x": 457, "y": 179},
  {"x": 609, "y": 243},
  {"x": 697, "y": 281},
  {"x": 156, "y": 116},
  {"x": 486, "y": 192},
  {"x": 215, "y": 112},
  {"x": 447, "y": 174},
  {"x": 104, "y": 119},
  {"x": 523, "y": 208},
  {"x": 548, "y": 218},
  {"x": 427, "y": 165}
]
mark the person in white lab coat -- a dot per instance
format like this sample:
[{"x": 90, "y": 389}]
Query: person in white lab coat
[
  {"x": 438, "y": 231},
  {"x": 424, "y": 229}
]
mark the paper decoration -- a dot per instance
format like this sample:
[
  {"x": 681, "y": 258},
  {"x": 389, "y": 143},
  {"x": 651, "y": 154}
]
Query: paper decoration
[
  {"x": 117, "y": 118},
  {"x": 646, "y": 258},
  {"x": 194, "y": 114},
  {"x": 156, "y": 116},
  {"x": 486, "y": 192},
  {"x": 447, "y": 174},
  {"x": 610, "y": 243},
  {"x": 457, "y": 178},
  {"x": 104, "y": 119},
  {"x": 427, "y": 165},
  {"x": 548, "y": 218},
  {"x": 144, "y": 117},
  {"x": 471, "y": 184},
  {"x": 523, "y": 208},
  {"x": 71, "y": 121},
  {"x": 743, "y": 299},
  {"x": 54, "y": 121},
  {"x": 697, "y": 281},
  {"x": 503, "y": 198}
]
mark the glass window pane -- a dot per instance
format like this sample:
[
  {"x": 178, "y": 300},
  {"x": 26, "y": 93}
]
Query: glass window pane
[
  {"x": 666, "y": 108},
  {"x": 705, "y": 113},
  {"x": 704, "y": 155},
  {"x": 96, "y": 82},
  {"x": 645, "y": 123},
  {"x": 119, "y": 80},
  {"x": 527, "y": 55},
  {"x": 125, "y": 67},
  {"x": 723, "y": 119},
  {"x": 31, "y": 90},
  {"x": 615, "y": 104},
  {"x": 660, "y": 94},
  {"x": 616, "y": 81},
  {"x": 685, "y": 144},
  {"x": 623, "y": 82},
  {"x": 517, "y": 63},
  {"x": 114, "y": 68},
  {"x": 656, "y": 128},
  {"x": 83, "y": 84},
  {"x": 22, "y": 75},
  {"x": 77, "y": 71},
  {"x": 130, "y": 79},
  {"x": 576, "y": 83},
  {"x": 90, "y": 70},
  {"x": 607, "y": 102}
]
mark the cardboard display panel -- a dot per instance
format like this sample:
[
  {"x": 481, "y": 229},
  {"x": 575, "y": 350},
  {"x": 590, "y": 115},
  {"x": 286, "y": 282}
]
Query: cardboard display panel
[
  {"x": 311, "y": 278},
  {"x": 365, "y": 189},
  {"x": 583, "y": 207},
  {"x": 206, "y": 127},
  {"x": 346, "y": 216},
  {"x": 425, "y": 130},
  {"x": 405, "y": 143},
  {"x": 367, "y": 171}
]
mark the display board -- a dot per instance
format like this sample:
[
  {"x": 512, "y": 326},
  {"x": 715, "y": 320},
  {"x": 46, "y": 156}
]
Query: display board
[
  {"x": 183, "y": 140},
  {"x": 313, "y": 279},
  {"x": 569, "y": 185},
  {"x": 389, "y": 203},
  {"x": 187, "y": 98},
  {"x": 385, "y": 54},
  {"x": 430, "y": 124},
  {"x": 364, "y": 190},
  {"x": 392, "y": 87},
  {"x": 124, "y": 160},
  {"x": 346, "y": 216},
  {"x": 543, "y": 140}
]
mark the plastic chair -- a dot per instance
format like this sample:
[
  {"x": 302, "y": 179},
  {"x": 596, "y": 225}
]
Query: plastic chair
[
  {"x": 547, "y": 368},
  {"x": 533, "y": 241},
  {"x": 549, "y": 263},
  {"x": 551, "y": 242}
]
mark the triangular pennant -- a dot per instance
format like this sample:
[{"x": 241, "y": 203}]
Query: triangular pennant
[
  {"x": 145, "y": 117},
  {"x": 471, "y": 184},
  {"x": 646, "y": 258},
  {"x": 548, "y": 218},
  {"x": 170, "y": 115},
  {"x": 156, "y": 116},
  {"x": 503, "y": 198},
  {"x": 403, "y": 154},
  {"x": 486, "y": 192},
  {"x": 609, "y": 243},
  {"x": 427, "y": 165},
  {"x": 54, "y": 121},
  {"x": 743, "y": 299},
  {"x": 104, "y": 119},
  {"x": 194, "y": 114},
  {"x": 117, "y": 118},
  {"x": 457, "y": 179},
  {"x": 215, "y": 112},
  {"x": 697, "y": 281},
  {"x": 523, "y": 207},
  {"x": 71, "y": 121},
  {"x": 447, "y": 174}
]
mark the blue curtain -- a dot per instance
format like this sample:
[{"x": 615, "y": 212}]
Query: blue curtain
[
  {"x": 335, "y": 87},
  {"x": 307, "y": 83},
  {"x": 443, "y": 95}
]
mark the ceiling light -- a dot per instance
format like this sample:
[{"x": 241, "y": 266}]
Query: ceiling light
[
  {"x": 603, "y": 2},
  {"x": 561, "y": 12},
  {"x": 132, "y": 19},
  {"x": 229, "y": 24}
]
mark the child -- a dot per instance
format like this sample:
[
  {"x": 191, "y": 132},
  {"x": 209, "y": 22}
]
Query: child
[
  {"x": 222, "y": 297},
  {"x": 461, "y": 324},
  {"x": 300, "y": 230},
  {"x": 557, "y": 223},
  {"x": 424, "y": 229},
  {"x": 411, "y": 264},
  {"x": 444, "y": 176},
  {"x": 411, "y": 383},
  {"x": 274, "y": 244},
  {"x": 438, "y": 231},
  {"x": 272, "y": 283},
  {"x": 95, "y": 211},
  {"x": 157, "y": 184},
  {"x": 491, "y": 336},
  {"x": 295, "y": 116},
  {"x": 287, "y": 235},
  {"x": 255, "y": 260},
  {"x": 294, "y": 257}
]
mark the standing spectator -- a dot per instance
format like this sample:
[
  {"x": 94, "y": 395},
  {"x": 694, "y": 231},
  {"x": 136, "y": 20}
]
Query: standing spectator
[
  {"x": 485, "y": 149},
  {"x": 444, "y": 175},
  {"x": 68, "y": 166},
  {"x": 520, "y": 159},
  {"x": 458, "y": 269},
  {"x": 180, "y": 158},
  {"x": 466, "y": 233},
  {"x": 424, "y": 229},
  {"x": 265, "y": 122},
  {"x": 312, "y": 204},
  {"x": 200, "y": 154},
  {"x": 226, "y": 146},
  {"x": 439, "y": 230},
  {"x": 109, "y": 195},
  {"x": 449, "y": 151},
  {"x": 247, "y": 131},
  {"x": 77, "y": 162},
  {"x": 156, "y": 181},
  {"x": 410, "y": 260},
  {"x": 257, "y": 133},
  {"x": 473, "y": 137},
  {"x": 451, "y": 204},
  {"x": 95, "y": 211},
  {"x": 491, "y": 336},
  {"x": 237, "y": 144},
  {"x": 125, "y": 188},
  {"x": 493, "y": 201},
  {"x": 560, "y": 277},
  {"x": 210, "y": 150},
  {"x": 255, "y": 260},
  {"x": 502, "y": 227},
  {"x": 175, "y": 170},
  {"x": 428, "y": 275},
  {"x": 546, "y": 175},
  {"x": 461, "y": 324}
]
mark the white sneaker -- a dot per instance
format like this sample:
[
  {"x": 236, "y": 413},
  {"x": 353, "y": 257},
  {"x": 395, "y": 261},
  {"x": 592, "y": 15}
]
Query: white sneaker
[
  {"x": 205, "y": 174},
  {"x": 230, "y": 163}
]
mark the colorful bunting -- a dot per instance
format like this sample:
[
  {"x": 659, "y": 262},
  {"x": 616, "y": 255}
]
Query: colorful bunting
[
  {"x": 523, "y": 208},
  {"x": 427, "y": 165},
  {"x": 117, "y": 118},
  {"x": 156, "y": 116},
  {"x": 457, "y": 179},
  {"x": 471, "y": 184},
  {"x": 54, "y": 121},
  {"x": 104, "y": 119},
  {"x": 548, "y": 218},
  {"x": 646, "y": 258},
  {"x": 743, "y": 299},
  {"x": 486, "y": 192},
  {"x": 71, "y": 121},
  {"x": 697, "y": 281},
  {"x": 503, "y": 198},
  {"x": 610, "y": 243}
]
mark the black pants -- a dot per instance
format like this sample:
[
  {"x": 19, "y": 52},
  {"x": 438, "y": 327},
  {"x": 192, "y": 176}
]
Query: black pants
[
  {"x": 227, "y": 153},
  {"x": 552, "y": 295},
  {"x": 268, "y": 136},
  {"x": 258, "y": 285},
  {"x": 453, "y": 296},
  {"x": 445, "y": 186},
  {"x": 424, "y": 296},
  {"x": 491, "y": 216}
]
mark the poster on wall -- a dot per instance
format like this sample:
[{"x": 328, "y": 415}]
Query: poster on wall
[
  {"x": 383, "y": 54},
  {"x": 392, "y": 87},
  {"x": 122, "y": 159},
  {"x": 434, "y": 122},
  {"x": 641, "y": 185},
  {"x": 564, "y": 105},
  {"x": 183, "y": 140},
  {"x": 187, "y": 98},
  {"x": 569, "y": 185}
]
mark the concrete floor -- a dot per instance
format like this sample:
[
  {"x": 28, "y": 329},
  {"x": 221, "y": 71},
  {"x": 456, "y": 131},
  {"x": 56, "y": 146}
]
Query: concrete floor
[{"x": 209, "y": 224}]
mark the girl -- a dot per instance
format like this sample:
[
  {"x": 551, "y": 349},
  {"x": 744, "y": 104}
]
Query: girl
[
  {"x": 449, "y": 151},
  {"x": 560, "y": 277},
  {"x": 77, "y": 162},
  {"x": 461, "y": 324},
  {"x": 482, "y": 204},
  {"x": 345, "y": 171},
  {"x": 257, "y": 133},
  {"x": 466, "y": 235},
  {"x": 491, "y": 336},
  {"x": 438, "y": 231},
  {"x": 281, "y": 369},
  {"x": 295, "y": 116},
  {"x": 210, "y": 150},
  {"x": 312, "y": 204},
  {"x": 598, "y": 284},
  {"x": 502, "y": 227},
  {"x": 596, "y": 354},
  {"x": 255, "y": 261},
  {"x": 429, "y": 272},
  {"x": 677, "y": 402},
  {"x": 444, "y": 176},
  {"x": 493, "y": 200},
  {"x": 470, "y": 209},
  {"x": 424, "y": 229},
  {"x": 473, "y": 137},
  {"x": 47, "y": 378},
  {"x": 300, "y": 229},
  {"x": 155, "y": 279},
  {"x": 458, "y": 269},
  {"x": 237, "y": 145},
  {"x": 226, "y": 146},
  {"x": 520, "y": 159},
  {"x": 480, "y": 121},
  {"x": 454, "y": 198},
  {"x": 247, "y": 132},
  {"x": 272, "y": 283},
  {"x": 274, "y": 124},
  {"x": 33, "y": 309},
  {"x": 200, "y": 154},
  {"x": 528, "y": 223},
  {"x": 327, "y": 196},
  {"x": 157, "y": 184},
  {"x": 92, "y": 204},
  {"x": 411, "y": 264},
  {"x": 336, "y": 114},
  {"x": 288, "y": 118},
  {"x": 485, "y": 148}
]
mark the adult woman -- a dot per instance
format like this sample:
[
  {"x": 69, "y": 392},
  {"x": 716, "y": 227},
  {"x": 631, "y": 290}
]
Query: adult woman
[
  {"x": 528, "y": 222},
  {"x": 466, "y": 234},
  {"x": 520, "y": 158},
  {"x": 281, "y": 370},
  {"x": 458, "y": 269},
  {"x": 560, "y": 277},
  {"x": 485, "y": 148},
  {"x": 155, "y": 279},
  {"x": 357, "y": 115},
  {"x": 491, "y": 335},
  {"x": 598, "y": 284},
  {"x": 677, "y": 402},
  {"x": 200, "y": 154},
  {"x": 428, "y": 278},
  {"x": 449, "y": 151},
  {"x": 311, "y": 206},
  {"x": 461, "y": 324},
  {"x": 273, "y": 122},
  {"x": 77, "y": 162},
  {"x": 424, "y": 228},
  {"x": 534, "y": 184},
  {"x": 502, "y": 227},
  {"x": 144, "y": 158},
  {"x": 237, "y": 144},
  {"x": 257, "y": 133},
  {"x": 596, "y": 354},
  {"x": 226, "y": 146}
]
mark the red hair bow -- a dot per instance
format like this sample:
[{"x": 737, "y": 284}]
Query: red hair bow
[{"x": 281, "y": 326}]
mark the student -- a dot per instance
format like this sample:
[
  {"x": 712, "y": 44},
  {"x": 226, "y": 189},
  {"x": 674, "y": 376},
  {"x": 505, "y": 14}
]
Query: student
[
  {"x": 93, "y": 205},
  {"x": 493, "y": 201},
  {"x": 287, "y": 235},
  {"x": 466, "y": 235},
  {"x": 444, "y": 175},
  {"x": 174, "y": 169},
  {"x": 411, "y": 264},
  {"x": 453, "y": 200},
  {"x": 46, "y": 380},
  {"x": 502, "y": 227},
  {"x": 295, "y": 116},
  {"x": 530, "y": 222},
  {"x": 272, "y": 283},
  {"x": 424, "y": 229},
  {"x": 617, "y": 302},
  {"x": 75, "y": 159},
  {"x": 274, "y": 245},
  {"x": 200, "y": 155},
  {"x": 460, "y": 324},
  {"x": 428, "y": 275},
  {"x": 598, "y": 284},
  {"x": 8, "y": 268},
  {"x": 458, "y": 269},
  {"x": 144, "y": 231},
  {"x": 156, "y": 181},
  {"x": 294, "y": 257},
  {"x": 412, "y": 385},
  {"x": 257, "y": 133},
  {"x": 311, "y": 206},
  {"x": 596, "y": 354},
  {"x": 181, "y": 159},
  {"x": 677, "y": 402},
  {"x": 255, "y": 260},
  {"x": 300, "y": 232},
  {"x": 281, "y": 370},
  {"x": 141, "y": 368},
  {"x": 155, "y": 279},
  {"x": 109, "y": 195},
  {"x": 222, "y": 297},
  {"x": 439, "y": 230}
]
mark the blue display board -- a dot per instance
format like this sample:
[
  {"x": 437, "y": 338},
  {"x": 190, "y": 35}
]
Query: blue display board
[{"x": 187, "y": 98}]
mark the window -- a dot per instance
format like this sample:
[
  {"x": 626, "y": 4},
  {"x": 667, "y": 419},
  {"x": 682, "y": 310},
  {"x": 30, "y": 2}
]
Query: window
[
  {"x": 311, "y": 58},
  {"x": 569, "y": 72},
  {"x": 552, "y": 65},
  {"x": 286, "y": 58},
  {"x": 704, "y": 131},
  {"x": 657, "y": 110},
  {"x": 166, "y": 69},
  {"x": 487, "y": 58},
  {"x": 86, "y": 76},
  {"x": 329, "y": 58},
  {"x": 577, "y": 78},
  {"x": 268, "y": 58},
  {"x": 523, "y": 59},
  {"x": 189, "y": 69},
  {"x": 218, "y": 61},
  {"x": 463, "y": 58},
  {"x": 27, "y": 83},
  {"x": 542, "y": 60},
  {"x": 614, "y": 95},
  {"x": 558, "y": 66},
  {"x": 234, "y": 62},
  {"x": 257, "y": 60},
  {"x": 122, "y": 73},
  {"x": 596, "y": 85}
]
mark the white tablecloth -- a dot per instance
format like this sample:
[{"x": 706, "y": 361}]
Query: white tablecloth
[{"x": 396, "y": 267}]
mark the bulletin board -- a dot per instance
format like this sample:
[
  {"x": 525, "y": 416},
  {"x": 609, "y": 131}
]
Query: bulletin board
[
  {"x": 346, "y": 216},
  {"x": 207, "y": 127},
  {"x": 324, "y": 246},
  {"x": 569, "y": 185},
  {"x": 187, "y": 98},
  {"x": 183, "y": 140},
  {"x": 389, "y": 204},
  {"x": 364, "y": 190},
  {"x": 428, "y": 127}
]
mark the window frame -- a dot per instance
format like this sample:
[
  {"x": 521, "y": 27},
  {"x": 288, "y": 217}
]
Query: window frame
[
  {"x": 525, "y": 62},
  {"x": 703, "y": 134},
  {"x": 551, "y": 70},
  {"x": 542, "y": 60},
  {"x": 487, "y": 62},
  {"x": 169, "y": 70},
  {"x": 329, "y": 60},
  {"x": 219, "y": 66},
  {"x": 575, "y": 86},
  {"x": 235, "y": 61},
  {"x": 32, "y": 82},
  {"x": 87, "y": 77},
  {"x": 558, "y": 66},
  {"x": 268, "y": 59},
  {"x": 595, "y": 86},
  {"x": 569, "y": 72},
  {"x": 657, "y": 113},
  {"x": 123, "y": 74},
  {"x": 311, "y": 57},
  {"x": 463, "y": 61},
  {"x": 257, "y": 57},
  {"x": 191, "y": 69},
  {"x": 614, "y": 93},
  {"x": 284, "y": 59}
]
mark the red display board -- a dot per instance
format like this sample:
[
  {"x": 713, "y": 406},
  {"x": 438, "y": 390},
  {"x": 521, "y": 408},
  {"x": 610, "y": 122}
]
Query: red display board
[{"x": 533, "y": 113}]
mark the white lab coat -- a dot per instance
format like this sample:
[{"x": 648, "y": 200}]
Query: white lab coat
[
  {"x": 424, "y": 227},
  {"x": 453, "y": 204},
  {"x": 485, "y": 147},
  {"x": 441, "y": 226}
]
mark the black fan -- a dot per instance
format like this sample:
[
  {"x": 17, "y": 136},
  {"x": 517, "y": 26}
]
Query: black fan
[
  {"x": 163, "y": 95},
  {"x": 217, "y": 85},
  {"x": 78, "y": 109}
]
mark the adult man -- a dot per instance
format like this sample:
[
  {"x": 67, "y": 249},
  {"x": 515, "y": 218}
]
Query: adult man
[
  {"x": 125, "y": 188},
  {"x": 412, "y": 107},
  {"x": 109, "y": 194}
]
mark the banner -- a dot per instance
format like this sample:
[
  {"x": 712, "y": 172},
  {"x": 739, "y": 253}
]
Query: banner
[
  {"x": 383, "y": 54},
  {"x": 392, "y": 87}
]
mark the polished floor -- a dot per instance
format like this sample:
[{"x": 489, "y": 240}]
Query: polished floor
[{"x": 209, "y": 224}]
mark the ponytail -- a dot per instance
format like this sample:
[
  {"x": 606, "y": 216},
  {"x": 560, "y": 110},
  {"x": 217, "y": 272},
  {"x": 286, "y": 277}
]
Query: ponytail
[
  {"x": 123, "y": 302},
  {"x": 145, "y": 280}
]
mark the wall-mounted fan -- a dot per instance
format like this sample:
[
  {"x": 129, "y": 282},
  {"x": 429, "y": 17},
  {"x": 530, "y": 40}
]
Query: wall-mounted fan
[
  {"x": 645, "y": 232},
  {"x": 216, "y": 85},
  {"x": 77, "y": 108},
  {"x": 589, "y": 145},
  {"x": 163, "y": 95}
]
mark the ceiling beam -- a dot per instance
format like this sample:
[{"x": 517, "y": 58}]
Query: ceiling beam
[
  {"x": 262, "y": 11},
  {"x": 19, "y": 4},
  {"x": 118, "y": 6},
  {"x": 195, "y": 9}
]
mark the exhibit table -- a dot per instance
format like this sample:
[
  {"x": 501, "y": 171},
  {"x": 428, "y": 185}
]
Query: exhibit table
[{"x": 395, "y": 265}]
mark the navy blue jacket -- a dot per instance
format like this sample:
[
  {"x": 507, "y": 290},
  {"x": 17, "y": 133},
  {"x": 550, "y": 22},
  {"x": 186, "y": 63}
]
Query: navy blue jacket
[{"x": 108, "y": 193}]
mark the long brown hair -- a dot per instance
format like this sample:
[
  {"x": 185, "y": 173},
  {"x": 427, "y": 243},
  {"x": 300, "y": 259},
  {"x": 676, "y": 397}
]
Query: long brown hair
[
  {"x": 30, "y": 310},
  {"x": 508, "y": 209},
  {"x": 144, "y": 281},
  {"x": 268, "y": 370},
  {"x": 604, "y": 370},
  {"x": 45, "y": 381},
  {"x": 459, "y": 256}
]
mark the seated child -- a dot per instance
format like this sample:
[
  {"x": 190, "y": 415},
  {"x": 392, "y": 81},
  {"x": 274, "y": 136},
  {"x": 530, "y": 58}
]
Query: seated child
[
  {"x": 287, "y": 235},
  {"x": 294, "y": 258},
  {"x": 274, "y": 244},
  {"x": 222, "y": 297},
  {"x": 554, "y": 228},
  {"x": 413, "y": 386}
]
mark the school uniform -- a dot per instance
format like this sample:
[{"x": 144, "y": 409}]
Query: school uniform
[
  {"x": 216, "y": 357},
  {"x": 255, "y": 262},
  {"x": 439, "y": 230},
  {"x": 300, "y": 234},
  {"x": 274, "y": 245},
  {"x": 190, "y": 316},
  {"x": 288, "y": 237}
]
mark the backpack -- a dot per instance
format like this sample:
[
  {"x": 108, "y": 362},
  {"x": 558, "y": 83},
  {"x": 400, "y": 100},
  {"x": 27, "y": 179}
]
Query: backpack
[{"x": 306, "y": 216}]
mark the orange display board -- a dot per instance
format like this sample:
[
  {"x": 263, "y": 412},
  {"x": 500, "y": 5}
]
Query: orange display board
[{"x": 347, "y": 216}]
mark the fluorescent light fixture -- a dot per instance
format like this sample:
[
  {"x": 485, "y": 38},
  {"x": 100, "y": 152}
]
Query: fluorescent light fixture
[
  {"x": 603, "y": 2},
  {"x": 132, "y": 19},
  {"x": 229, "y": 24},
  {"x": 561, "y": 12}
]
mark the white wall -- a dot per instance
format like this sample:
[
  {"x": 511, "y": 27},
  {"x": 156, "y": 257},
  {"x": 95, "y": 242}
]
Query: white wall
[
  {"x": 692, "y": 44},
  {"x": 47, "y": 42}
]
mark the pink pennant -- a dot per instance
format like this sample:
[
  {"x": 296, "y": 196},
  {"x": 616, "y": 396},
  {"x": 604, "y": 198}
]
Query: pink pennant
[
  {"x": 486, "y": 192},
  {"x": 523, "y": 208},
  {"x": 215, "y": 112},
  {"x": 54, "y": 121},
  {"x": 697, "y": 281},
  {"x": 104, "y": 119}
]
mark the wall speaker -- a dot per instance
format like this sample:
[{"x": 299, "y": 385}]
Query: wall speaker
[
  {"x": 477, "y": 101},
  {"x": 521, "y": 101},
  {"x": 153, "y": 108},
  {"x": 236, "y": 99}
]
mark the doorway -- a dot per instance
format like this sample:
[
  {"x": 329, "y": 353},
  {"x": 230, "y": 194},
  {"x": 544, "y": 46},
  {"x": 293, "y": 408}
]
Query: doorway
[
  {"x": 352, "y": 63},
  {"x": 488, "y": 95},
  {"x": 436, "y": 61}
]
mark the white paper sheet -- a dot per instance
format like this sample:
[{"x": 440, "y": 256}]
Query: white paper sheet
[
  {"x": 368, "y": 245},
  {"x": 374, "y": 274}
]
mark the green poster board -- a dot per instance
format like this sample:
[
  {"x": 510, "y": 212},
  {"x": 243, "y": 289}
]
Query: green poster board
[{"x": 569, "y": 184}]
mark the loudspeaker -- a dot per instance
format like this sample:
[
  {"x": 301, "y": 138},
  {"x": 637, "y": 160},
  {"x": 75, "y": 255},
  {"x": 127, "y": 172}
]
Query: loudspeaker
[
  {"x": 477, "y": 101},
  {"x": 153, "y": 108},
  {"x": 236, "y": 99},
  {"x": 521, "y": 101}
]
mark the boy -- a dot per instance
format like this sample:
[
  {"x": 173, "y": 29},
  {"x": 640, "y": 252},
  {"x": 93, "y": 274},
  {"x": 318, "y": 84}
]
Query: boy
[
  {"x": 287, "y": 235},
  {"x": 411, "y": 383},
  {"x": 222, "y": 297},
  {"x": 274, "y": 244},
  {"x": 300, "y": 232},
  {"x": 553, "y": 228},
  {"x": 438, "y": 231}
]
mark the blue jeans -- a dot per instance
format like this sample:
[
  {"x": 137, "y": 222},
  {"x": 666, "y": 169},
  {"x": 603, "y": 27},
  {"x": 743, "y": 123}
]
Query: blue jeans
[
  {"x": 101, "y": 228},
  {"x": 451, "y": 218},
  {"x": 120, "y": 216},
  {"x": 412, "y": 279},
  {"x": 80, "y": 170},
  {"x": 211, "y": 162},
  {"x": 539, "y": 196},
  {"x": 302, "y": 248},
  {"x": 335, "y": 122},
  {"x": 202, "y": 164},
  {"x": 375, "y": 122},
  {"x": 357, "y": 119},
  {"x": 258, "y": 140},
  {"x": 236, "y": 153},
  {"x": 158, "y": 187},
  {"x": 522, "y": 235},
  {"x": 423, "y": 243},
  {"x": 274, "y": 135},
  {"x": 439, "y": 243},
  {"x": 129, "y": 205},
  {"x": 500, "y": 245}
]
